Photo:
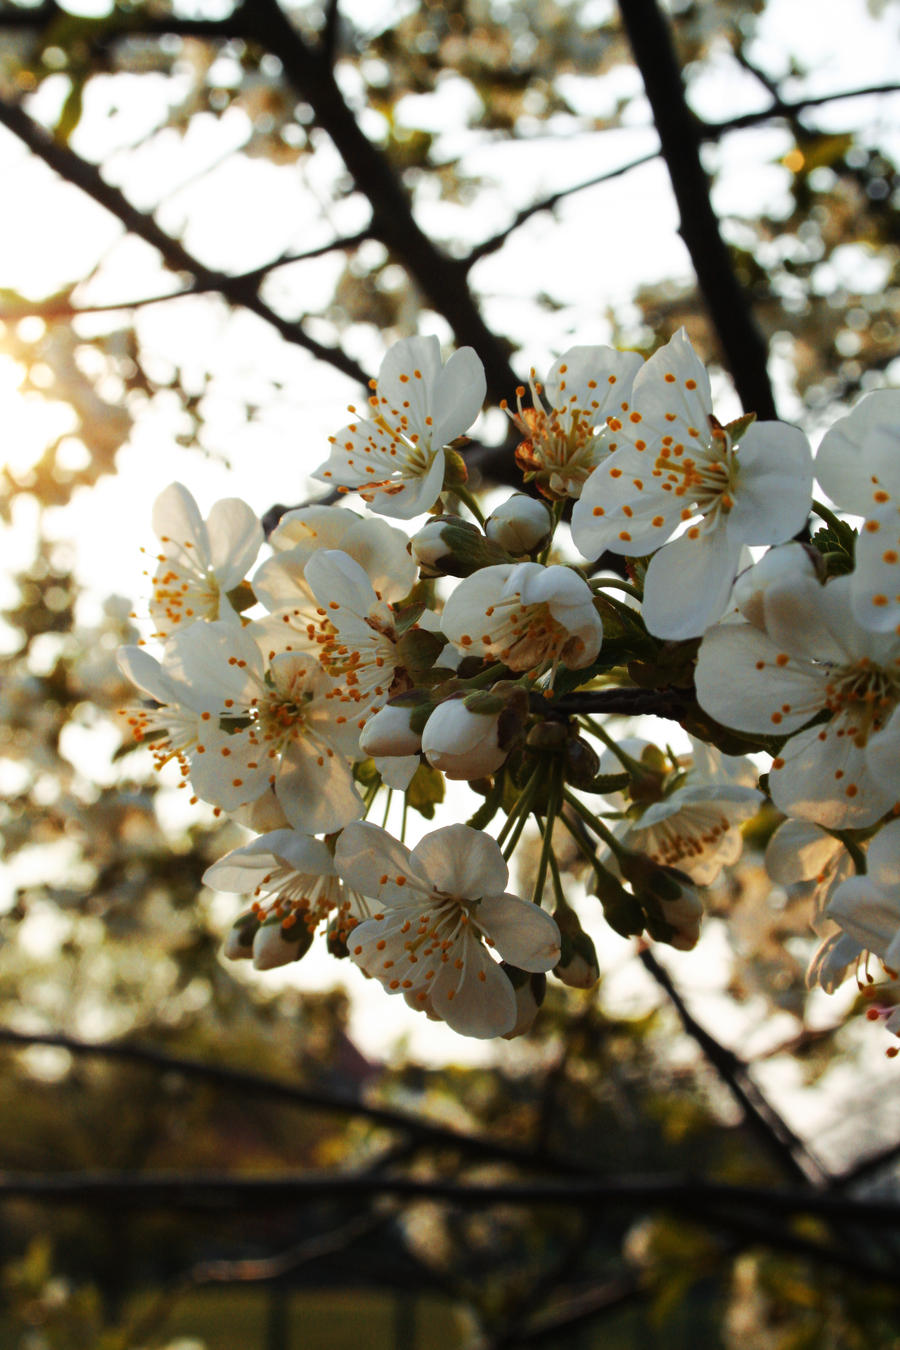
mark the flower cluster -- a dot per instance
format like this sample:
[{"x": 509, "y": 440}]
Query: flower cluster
[{"x": 358, "y": 660}]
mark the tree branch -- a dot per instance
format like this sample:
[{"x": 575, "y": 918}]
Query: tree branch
[
  {"x": 770, "y": 1128},
  {"x": 291, "y": 1094},
  {"x": 441, "y": 279},
  {"x": 236, "y": 290},
  {"x": 744, "y": 1210},
  {"x": 743, "y": 346}
]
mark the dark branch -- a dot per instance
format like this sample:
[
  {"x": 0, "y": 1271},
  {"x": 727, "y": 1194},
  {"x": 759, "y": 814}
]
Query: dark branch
[
  {"x": 744, "y": 1210},
  {"x": 548, "y": 203},
  {"x": 441, "y": 279},
  {"x": 742, "y": 342},
  {"x": 770, "y": 1128},
  {"x": 236, "y": 290},
  {"x": 61, "y": 307},
  {"x": 291, "y": 1094}
]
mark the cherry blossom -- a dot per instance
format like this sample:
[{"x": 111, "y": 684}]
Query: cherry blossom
[
  {"x": 295, "y": 888},
  {"x": 675, "y": 468},
  {"x": 294, "y": 619},
  {"x": 858, "y": 465},
  {"x": 200, "y": 562},
  {"x": 525, "y": 615},
  {"x": 568, "y": 438},
  {"x": 395, "y": 456},
  {"x": 695, "y": 825},
  {"x": 289, "y": 728},
  {"x": 443, "y": 908},
  {"x": 810, "y": 659}
]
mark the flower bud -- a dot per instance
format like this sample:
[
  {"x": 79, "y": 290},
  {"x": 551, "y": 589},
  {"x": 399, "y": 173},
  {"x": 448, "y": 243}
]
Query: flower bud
[
  {"x": 463, "y": 743},
  {"x": 390, "y": 732},
  {"x": 620, "y": 909},
  {"x": 449, "y": 546},
  {"x": 582, "y": 763},
  {"x": 681, "y": 918},
  {"x": 277, "y": 945},
  {"x": 238, "y": 945},
  {"x": 577, "y": 966},
  {"x": 521, "y": 524},
  {"x": 529, "y": 989}
]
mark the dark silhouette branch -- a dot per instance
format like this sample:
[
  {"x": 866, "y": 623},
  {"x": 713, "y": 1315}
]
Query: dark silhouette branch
[
  {"x": 773, "y": 1132},
  {"x": 293, "y": 1094},
  {"x": 61, "y": 307},
  {"x": 746, "y": 1211},
  {"x": 236, "y": 290},
  {"x": 741, "y": 340},
  {"x": 441, "y": 279}
]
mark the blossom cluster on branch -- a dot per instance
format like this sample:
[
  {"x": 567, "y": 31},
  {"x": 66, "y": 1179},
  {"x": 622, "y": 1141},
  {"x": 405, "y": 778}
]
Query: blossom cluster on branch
[{"x": 356, "y": 662}]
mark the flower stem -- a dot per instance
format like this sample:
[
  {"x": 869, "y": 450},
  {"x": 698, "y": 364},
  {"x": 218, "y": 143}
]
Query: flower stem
[
  {"x": 616, "y": 583},
  {"x": 602, "y": 831},
  {"x": 521, "y": 806},
  {"x": 828, "y": 516},
  {"x": 553, "y": 800},
  {"x": 469, "y": 500}
]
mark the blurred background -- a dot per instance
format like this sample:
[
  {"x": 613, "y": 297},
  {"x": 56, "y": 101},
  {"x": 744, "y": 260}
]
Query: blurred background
[{"x": 214, "y": 219}]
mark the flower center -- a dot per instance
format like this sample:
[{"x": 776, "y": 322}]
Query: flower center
[{"x": 864, "y": 696}]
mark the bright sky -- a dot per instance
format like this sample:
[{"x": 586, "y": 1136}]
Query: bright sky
[{"x": 238, "y": 211}]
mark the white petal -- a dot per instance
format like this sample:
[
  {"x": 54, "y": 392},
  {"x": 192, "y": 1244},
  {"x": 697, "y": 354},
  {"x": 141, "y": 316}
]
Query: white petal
[
  {"x": 235, "y": 537},
  {"x": 799, "y": 851},
  {"x": 825, "y": 777},
  {"x": 365, "y": 853},
  {"x": 742, "y": 680},
  {"x": 859, "y": 446},
  {"x": 477, "y": 1000},
  {"x": 524, "y": 934},
  {"x": 773, "y": 494},
  {"x": 876, "y": 577},
  {"x": 462, "y": 862},
  {"x": 177, "y": 521},
  {"x": 688, "y": 584},
  {"x": 458, "y": 395}
]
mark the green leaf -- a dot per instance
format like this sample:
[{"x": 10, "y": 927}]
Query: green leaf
[{"x": 426, "y": 790}]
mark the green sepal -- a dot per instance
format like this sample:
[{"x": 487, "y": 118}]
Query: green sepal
[
  {"x": 426, "y": 790},
  {"x": 241, "y": 597}
]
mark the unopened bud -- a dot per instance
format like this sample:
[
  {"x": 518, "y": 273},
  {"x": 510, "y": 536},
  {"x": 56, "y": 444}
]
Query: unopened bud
[
  {"x": 652, "y": 880},
  {"x": 391, "y": 731},
  {"x": 582, "y": 763},
  {"x": 521, "y": 524},
  {"x": 577, "y": 967},
  {"x": 463, "y": 743},
  {"x": 449, "y": 546},
  {"x": 529, "y": 989},
  {"x": 238, "y": 945},
  {"x": 276, "y": 945},
  {"x": 620, "y": 909}
]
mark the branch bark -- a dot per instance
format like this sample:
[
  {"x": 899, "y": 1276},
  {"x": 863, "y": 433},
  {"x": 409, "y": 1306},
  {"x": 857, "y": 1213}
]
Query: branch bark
[{"x": 742, "y": 342}]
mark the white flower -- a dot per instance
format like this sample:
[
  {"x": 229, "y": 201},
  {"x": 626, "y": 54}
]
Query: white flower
[
  {"x": 200, "y": 561},
  {"x": 800, "y": 852},
  {"x": 358, "y": 645},
  {"x": 867, "y": 907},
  {"x": 442, "y": 906},
  {"x": 526, "y": 616},
  {"x": 810, "y": 659},
  {"x": 566, "y": 440},
  {"x": 463, "y": 743},
  {"x": 675, "y": 467},
  {"x": 858, "y": 465},
  {"x": 295, "y": 888},
  {"x": 291, "y": 729},
  {"x": 395, "y": 457},
  {"x": 696, "y": 827},
  {"x": 294, "y": 622},
  {"x": 184, "y": 719},
  {"x": 520, "y": 524}
]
